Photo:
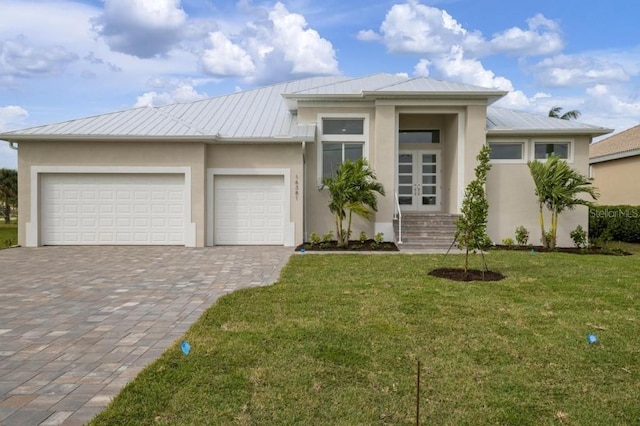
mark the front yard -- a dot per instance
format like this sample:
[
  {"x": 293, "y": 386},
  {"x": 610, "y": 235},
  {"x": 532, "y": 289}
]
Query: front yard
[
  {"x": 8, "y": 234},
  {"x": 337, "y": 340}
]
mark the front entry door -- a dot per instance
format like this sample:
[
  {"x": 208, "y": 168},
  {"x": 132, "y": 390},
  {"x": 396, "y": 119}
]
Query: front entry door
[{"x": 419, "y": 180}]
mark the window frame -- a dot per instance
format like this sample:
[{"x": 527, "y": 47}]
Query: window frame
[
  {"x": 523, "y": 142},
  {"x": 570, "y": 148},
  {"x": 340, "y": 138}
]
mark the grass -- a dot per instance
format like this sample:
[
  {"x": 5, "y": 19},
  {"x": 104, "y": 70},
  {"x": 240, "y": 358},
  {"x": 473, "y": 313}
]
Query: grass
[
  {"x": 337, "y": 339},
  {"x": 8, "y": 234}
]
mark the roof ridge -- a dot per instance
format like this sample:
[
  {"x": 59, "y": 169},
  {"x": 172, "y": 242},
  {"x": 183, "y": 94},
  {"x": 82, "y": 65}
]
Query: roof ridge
[{"x": 343, "y": 81}]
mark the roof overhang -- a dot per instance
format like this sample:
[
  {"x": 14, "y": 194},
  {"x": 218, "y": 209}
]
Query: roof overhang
[
  {"x": 546, "y": 132},
  {"x": 490, "y": 96},
  {"x": 211, "y": 139},
  {"x": 616, "y": 156}
]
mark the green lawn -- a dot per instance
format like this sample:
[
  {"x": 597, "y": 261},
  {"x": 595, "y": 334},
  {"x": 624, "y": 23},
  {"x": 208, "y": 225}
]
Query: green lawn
[
  {"x": 8, "y": 234},
  {"x": 337, "y": 339}
]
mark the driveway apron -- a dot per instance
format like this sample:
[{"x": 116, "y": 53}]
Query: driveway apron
[{"x": 78, "y": 323}]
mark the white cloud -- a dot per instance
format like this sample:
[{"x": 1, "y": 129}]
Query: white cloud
[
  {"x": 422, "y": 68},
  {"x": 414, "y": 27},
  {"x": 179, "y": 93},
  {"x": 269, "y": 48},
  {"x": 471, "y": 71},
  {"x": 541, "y": 38},
  {"x": 367, "y": 35},
  {"x": 573, "y": 70},
  {"x": 417, "y": 28},
  {"x": 224, "y": 58},
  {"x": 143, "y": 28},
  {"x": 20, "y": 59}
]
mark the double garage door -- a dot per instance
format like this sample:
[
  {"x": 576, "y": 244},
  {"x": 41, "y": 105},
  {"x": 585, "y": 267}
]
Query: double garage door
[
  {"x": 112, "y": 209},
  {"x": 150, "y": 209}
]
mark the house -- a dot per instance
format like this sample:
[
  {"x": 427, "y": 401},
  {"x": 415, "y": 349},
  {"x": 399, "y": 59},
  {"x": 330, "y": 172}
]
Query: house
[
  {"x": 614, "y": 167},
  {"x": 245, "y": 168}
]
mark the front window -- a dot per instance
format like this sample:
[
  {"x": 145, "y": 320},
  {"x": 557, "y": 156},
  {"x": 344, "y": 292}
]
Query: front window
[
  {"x": 543, "y": 150},
  {"x": 506, "y": 151},
  {"x": 342, "y": 138}
]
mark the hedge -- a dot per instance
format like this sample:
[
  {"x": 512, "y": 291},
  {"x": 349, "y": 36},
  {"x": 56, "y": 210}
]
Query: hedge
[{"x": 619, "y": 223}]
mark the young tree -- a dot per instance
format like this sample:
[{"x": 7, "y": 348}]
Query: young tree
[
  {"x": 558, "y": 187},
  {"x": 352, "y": 189},
  {"x": 8, "y": 191},
  {"x": 471, "y": 232}
]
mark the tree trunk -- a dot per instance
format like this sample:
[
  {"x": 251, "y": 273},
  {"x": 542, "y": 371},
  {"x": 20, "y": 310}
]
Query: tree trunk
[
  {"x": 7, "y": 210},
  {"x": 545, "y": 243},
  {"x": 554, "y": 228}
]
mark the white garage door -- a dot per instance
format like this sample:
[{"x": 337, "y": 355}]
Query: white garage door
[
  {"x": 249, "y": 210},
  {"x": 112, "y": 209}
]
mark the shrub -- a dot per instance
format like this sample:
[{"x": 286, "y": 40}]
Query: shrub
[
  {"x": 522, "y": 235},
  {"x": 619, "y": 223},
  {"x": 328, "y": 237},
  {"x": 507, "y": 242},
  {"x": 314, "y": 238},
  {"x": 379, "y": 237},
  {"x": 363, "y": 237},
  {"x": 579, "y": 237}
]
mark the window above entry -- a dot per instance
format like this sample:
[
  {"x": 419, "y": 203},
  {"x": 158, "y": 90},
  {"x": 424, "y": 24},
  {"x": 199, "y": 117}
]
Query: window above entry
[
  {"x": 342, "y": 137},
  {"x": 419, "y": 136}
]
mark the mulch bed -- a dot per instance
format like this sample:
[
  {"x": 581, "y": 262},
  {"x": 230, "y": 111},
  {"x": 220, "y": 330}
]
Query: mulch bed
[
  {"x": 368, "y": 245},
  {"x": 456, "y": 274},
  {"x": 573, "y": 250}
]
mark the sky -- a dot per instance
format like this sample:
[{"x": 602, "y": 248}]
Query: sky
[{"x": 65, "y": 59}]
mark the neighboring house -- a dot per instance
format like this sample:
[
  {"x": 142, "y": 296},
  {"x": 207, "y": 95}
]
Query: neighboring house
[
  {"x": 615, "y": 168},
  {"x": 245, "y": 168}
]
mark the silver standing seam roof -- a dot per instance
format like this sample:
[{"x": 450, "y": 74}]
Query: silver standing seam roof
[{"x": 268, "y": 113}]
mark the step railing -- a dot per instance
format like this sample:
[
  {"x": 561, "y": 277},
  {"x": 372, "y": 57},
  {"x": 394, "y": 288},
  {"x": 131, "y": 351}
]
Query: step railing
[{"x": 398, "y": 215}]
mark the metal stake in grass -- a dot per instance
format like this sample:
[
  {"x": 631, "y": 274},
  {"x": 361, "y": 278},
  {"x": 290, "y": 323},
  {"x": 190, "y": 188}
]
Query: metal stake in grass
[{"x": 418, "y": 396}]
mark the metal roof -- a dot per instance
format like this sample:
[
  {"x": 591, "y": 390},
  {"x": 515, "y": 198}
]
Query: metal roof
[
  {"x": 621, "y": 145},
  {"x": 265, "y": 113},
  {"x": 508, "y": 122}
]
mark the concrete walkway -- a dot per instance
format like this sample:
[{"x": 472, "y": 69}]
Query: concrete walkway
[{"x": 78, "y": 323}]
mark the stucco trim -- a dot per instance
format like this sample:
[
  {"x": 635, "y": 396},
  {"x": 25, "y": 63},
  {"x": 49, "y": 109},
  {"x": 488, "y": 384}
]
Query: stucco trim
[
  {"x": 462, "y": 139},
  {"x": 33, "y": 226},
  {"x": 289, "y": 229}
]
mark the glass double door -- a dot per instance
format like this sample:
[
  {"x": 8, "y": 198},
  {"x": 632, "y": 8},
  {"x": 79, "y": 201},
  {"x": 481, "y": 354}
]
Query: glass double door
[{"x": 419, "y": 180}]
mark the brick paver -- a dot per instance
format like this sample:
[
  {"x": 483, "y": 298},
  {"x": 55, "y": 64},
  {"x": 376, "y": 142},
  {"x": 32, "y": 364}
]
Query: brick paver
[{"x": 78, "y": 323}]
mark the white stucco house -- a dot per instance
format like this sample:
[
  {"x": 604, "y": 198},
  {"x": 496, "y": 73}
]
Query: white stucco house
[{"x": 244, "y": 169}]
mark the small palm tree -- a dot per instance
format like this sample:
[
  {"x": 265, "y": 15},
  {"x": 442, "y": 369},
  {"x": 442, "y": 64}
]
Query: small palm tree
[
  {"x": 558, "y": 187},
  {"x": 352, "y": 189},
  {"x": 556, "y": 112}
]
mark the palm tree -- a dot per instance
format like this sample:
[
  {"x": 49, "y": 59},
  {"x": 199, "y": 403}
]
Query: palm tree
[
  {"x": 353, "y": 188},
  {"x": 556, "y": 111},
  {"x": 8, "y": 190},
  {"x": 558, "y": 187}
]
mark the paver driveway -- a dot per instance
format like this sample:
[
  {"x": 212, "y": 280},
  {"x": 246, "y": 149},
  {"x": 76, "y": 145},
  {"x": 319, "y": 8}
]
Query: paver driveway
[{"x": 78, "y": 323}]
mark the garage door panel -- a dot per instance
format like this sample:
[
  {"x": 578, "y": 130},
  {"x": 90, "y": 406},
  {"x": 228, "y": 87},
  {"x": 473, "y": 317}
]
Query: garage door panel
[
  {"x": 112, "y": 209},
  {"x": 249, "y": 210}
]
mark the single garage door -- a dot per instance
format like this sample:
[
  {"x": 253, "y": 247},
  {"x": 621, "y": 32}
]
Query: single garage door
[
  {"x": 249, "y": 210},
  {"x": 112, "y": 209}
]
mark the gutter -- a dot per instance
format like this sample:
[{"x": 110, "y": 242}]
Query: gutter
[
  {"x": 546, "y": 132},
  {"x": 13, "y": 139}
]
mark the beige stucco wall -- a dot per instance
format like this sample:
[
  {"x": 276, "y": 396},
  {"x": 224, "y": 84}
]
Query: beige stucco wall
[
  {"x": 512, "y": 201},
  {"x": 144, "y": 154},
  {"x": 617, "y": 181},
  {"x": 271, "y": 156}
]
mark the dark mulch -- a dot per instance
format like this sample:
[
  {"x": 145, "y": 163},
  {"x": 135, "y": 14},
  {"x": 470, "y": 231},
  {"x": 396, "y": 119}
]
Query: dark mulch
[
  {"x": 456, "y": 274},
  {"x": 368, "y": 245},
  {"x": 573, "y": 250}
]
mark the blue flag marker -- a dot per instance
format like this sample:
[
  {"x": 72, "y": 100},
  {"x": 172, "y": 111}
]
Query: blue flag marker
[
  {"x": 591, "y": 338},
  {"x": 186, "y": 347},
  {"x": 302, "y": 250}
]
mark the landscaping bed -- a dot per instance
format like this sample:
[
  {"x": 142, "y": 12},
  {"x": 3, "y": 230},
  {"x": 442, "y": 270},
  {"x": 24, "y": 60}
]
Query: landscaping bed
[
  {"x": 356, "y": 245},
  {"x": 609, "y": 251}
]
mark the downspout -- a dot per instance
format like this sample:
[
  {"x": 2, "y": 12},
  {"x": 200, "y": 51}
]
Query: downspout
[
  {"x": 304, "y": 191},
  {"x": 13, "y": 146}
]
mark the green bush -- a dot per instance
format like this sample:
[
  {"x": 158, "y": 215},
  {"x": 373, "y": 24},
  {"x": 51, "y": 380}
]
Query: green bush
[{"x": 619, "y": 223}]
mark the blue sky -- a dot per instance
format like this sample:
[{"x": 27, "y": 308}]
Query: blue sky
[{"x": 64, "y": 59}]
